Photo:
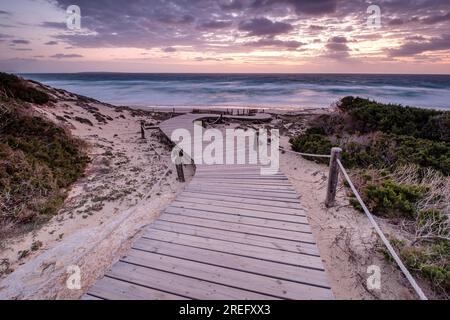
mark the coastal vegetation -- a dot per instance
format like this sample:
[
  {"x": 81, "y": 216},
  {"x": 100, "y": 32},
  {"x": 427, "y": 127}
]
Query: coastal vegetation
[
  {"x": 400, "y": 162},
  {"x": 38, "y": 159}
]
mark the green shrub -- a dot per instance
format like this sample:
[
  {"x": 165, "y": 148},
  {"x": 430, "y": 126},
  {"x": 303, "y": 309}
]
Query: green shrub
[
  {"x": 312, "y": 143},
  {"x": 370, "y": 116},
  {"x": 13, "y": 87},
  {"x": 38, "y": 161},
  {"x": 431, "y": 261},
  {"x": 393, "y": 200}
]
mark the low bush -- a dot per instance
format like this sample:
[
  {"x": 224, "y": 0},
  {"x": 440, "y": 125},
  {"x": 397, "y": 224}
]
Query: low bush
[
  {"x": 393, "y": 200},
  {"x": 38, "y": 161},
  {"x": 13, "y": 87},
  {"x": 431, "y": 261}
]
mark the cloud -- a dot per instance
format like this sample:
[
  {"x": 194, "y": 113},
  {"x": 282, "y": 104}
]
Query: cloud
[
  {"x": 66, "y": 56},
  {"x": 169, "y": 49},
  {"x": 19, "y": 41},
  {"x": 395, "y": 22},
  {"x": 211, "y": 24},
  {"x": 3, "y": 12},
  {"x": 22, "y": 49},
  {"x": 51, "y": 43},
  {"x": 315, "y": 27},
  {"x": 275, "y": 43},
  {"x": 436, "y": 18},
  {"x": 264, "y": 27},
  {"x": 232, "y": 5},
  {"x": 310, "y": 7},
  {"x": 54, "y": 25},
  {"x": 5, "y": 36},
  {"x": 336, "y": 48},
  {"x": 418, "y": 47}
]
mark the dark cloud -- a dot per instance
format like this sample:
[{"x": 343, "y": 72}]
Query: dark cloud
[
  {"x": 212, "y": 24},
  {"x": 311, "y": 7},
  {"x": 3, "y": 12},
  {"x": 264, "y": 27},
  {"x": 338, "y": 39},
  {"x": 4, "y": 36},
  {"x": 66, "y": 56},
  {"x": 232, "y": 5},
  {"x": 54, "y": 25},
  {"x": 169, "y": 49},
  {"x": 51, "y": 43},
  {"x": 314, "y": 27},
  {"x": 395, "y": 22},
  {"x": 337, "y": 48},
  {"x": 275, "y": 43},
  {"x": 415, "y": 38},
  {"x": 19, "y": 41},
  {"x": 417, "y": 47},
  {"x": 172, "y": 19},
  {"x": 22, "y": 49},
  {"x": 436, "y": 18}
]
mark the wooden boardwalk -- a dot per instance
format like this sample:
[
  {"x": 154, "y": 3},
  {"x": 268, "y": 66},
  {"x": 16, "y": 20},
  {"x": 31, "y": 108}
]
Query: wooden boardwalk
[{"x": 231, "y": 234}]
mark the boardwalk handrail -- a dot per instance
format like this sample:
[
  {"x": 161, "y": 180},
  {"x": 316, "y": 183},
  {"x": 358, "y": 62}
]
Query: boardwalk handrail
[{"x": 380, "y": 233}]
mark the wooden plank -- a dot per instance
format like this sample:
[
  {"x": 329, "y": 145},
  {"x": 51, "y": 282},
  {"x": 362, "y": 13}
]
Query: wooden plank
[
  {"x": 245, "y": 186},
  {"x": 234, "y": 278},
  {"x": 266, "y": 254},
  {"x": 180, "y": 285},
  {"x": 245, "y": 220},
  {"x": 267, "y": 194},
  {"x": 237, "y": 237},
  {"x": 298, "y": 217},
  {"x": 252, "y": 265},
  {"x": 114, "y": 289},
  {"x": 274, "y": 233},
  {"x": 192, "y": 198},
  {"x": 242, "y": 201}
]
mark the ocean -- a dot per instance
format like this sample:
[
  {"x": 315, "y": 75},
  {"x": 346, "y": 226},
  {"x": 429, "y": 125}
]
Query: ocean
[{"x": 283, "y": 91}]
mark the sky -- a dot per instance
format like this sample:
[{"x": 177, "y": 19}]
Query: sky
[{"x": 229, "y": 36}]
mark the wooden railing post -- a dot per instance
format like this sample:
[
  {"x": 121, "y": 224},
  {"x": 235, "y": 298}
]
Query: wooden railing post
[
  {"x": 179, "y": 166},
  {"x": 142, "y": 129},
  {"x": 333, "y": 177}
]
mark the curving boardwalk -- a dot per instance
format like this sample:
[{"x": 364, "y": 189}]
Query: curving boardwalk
[{"x": 231, "y": 234}]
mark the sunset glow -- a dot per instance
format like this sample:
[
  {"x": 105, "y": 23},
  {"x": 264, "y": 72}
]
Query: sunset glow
[{"x": 226, "y": 36}]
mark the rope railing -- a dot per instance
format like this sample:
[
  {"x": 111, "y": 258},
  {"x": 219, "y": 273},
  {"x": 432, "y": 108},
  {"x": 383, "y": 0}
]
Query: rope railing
[
  {"x": 307, "y": 154},
  {"x": 336, "y": 166}
]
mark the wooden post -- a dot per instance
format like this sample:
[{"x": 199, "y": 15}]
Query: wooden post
[
  {"x": 256, "y": 146},
  {"x": 179, "y": 166},
  {"x": 333, "y": 177},
  {"x": 142, "y": 129}
]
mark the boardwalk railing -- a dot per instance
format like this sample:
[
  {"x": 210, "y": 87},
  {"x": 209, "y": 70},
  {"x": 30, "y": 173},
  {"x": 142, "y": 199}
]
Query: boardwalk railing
[{"x": 336, "y": 167}]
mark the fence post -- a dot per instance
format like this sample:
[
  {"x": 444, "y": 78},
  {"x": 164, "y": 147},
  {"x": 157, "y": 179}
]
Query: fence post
[
  {"x": 333, "y": 177},
  {"x": 142, "y": 129},
  {"x": 179, "y": 166}
]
